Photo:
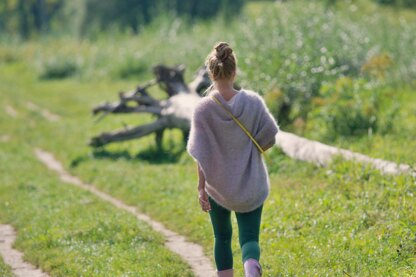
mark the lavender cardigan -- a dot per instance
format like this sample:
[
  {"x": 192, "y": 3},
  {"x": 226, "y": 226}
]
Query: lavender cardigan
[{"x": 235, "y": 172}]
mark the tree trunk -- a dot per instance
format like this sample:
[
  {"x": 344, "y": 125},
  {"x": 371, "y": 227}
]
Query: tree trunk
[
  {"x": 24, "y": 27},
  {"x": 174, "y": 112}
]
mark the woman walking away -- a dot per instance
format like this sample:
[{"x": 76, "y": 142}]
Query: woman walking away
[{"x": 229, "y": 131}]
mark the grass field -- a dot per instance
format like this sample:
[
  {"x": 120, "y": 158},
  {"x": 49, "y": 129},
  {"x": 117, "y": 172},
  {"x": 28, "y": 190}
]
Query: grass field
[
  {"x": 67, "y": 231},
  {"x": 5, "y": 269},
  {"x": 51, "y": 232},
  {"x": 343, "y": 220},
  {"x": 393, "y": 145}
]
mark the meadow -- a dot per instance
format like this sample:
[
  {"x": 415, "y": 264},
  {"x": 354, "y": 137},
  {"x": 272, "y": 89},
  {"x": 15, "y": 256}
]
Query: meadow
[
  {"x": 343, "y": 220},
  {"x": 4, "y": 269}
]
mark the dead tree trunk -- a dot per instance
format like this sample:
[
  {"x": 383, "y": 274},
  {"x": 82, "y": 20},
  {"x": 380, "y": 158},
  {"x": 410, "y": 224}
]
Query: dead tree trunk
[
  {"x": 176, "y": 111},
  {"x": 321, "y": 154}
]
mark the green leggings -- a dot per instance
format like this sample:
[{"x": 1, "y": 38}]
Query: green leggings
[{"x": 248, "y": 233}]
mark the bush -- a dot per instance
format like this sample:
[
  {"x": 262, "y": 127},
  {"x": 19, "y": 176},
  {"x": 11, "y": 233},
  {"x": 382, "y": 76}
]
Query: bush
[
  {"x": 58, "y": 68},
  {"x": 130, "y": 67},
  {"x": 377, "y": 66},
  {"x": 350, "y": 107},
  {"x": 7, "y": 55}
]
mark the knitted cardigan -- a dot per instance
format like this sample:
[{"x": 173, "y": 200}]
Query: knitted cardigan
[{"x": 235, "y": 173}]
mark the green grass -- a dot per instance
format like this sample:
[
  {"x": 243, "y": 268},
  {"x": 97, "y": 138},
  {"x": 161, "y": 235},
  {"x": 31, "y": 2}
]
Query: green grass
[
  {"x": 69, "y": 232},
  {"x": 393, "y": 145},
  {"x": 316, "y": 221},
  {"x": 63, "y": 229},
  {"x": 5, "y": 270}
]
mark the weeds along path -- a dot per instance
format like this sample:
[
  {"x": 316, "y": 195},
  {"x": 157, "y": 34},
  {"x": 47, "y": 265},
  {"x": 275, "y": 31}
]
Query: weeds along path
[
  {"x": 190, "y": 252},
  {"x": 13, "y": 257},
  {"x": 44, "y": 112}
]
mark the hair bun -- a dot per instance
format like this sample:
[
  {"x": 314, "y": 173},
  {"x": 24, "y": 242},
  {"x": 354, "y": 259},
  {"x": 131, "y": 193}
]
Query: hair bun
[
  {"x": 223, "y": 51},
  {"x": 221, "y": 62}
]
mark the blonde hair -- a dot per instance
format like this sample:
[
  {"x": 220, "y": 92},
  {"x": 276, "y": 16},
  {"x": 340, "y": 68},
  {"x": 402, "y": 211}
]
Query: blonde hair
[{"x": 221, "y": 62}]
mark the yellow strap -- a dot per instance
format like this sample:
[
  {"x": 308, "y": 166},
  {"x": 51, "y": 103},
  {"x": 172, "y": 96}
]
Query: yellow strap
[{"x": 241, "y": 126}]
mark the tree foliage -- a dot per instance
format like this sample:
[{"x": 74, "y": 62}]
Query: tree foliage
[
  {"x": 403, "y": 3},
  {"x": 29, "y": 17}
]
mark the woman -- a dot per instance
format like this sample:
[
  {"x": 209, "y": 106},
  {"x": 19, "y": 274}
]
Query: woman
[{"x": 232, "y": 173}]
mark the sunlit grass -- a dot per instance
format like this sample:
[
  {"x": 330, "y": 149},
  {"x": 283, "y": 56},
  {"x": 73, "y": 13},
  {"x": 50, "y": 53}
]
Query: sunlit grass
[
  {"x": 67, "y": 231},
  {"x": 5, "y": 270},
  {"x": 346, "y": 218}
]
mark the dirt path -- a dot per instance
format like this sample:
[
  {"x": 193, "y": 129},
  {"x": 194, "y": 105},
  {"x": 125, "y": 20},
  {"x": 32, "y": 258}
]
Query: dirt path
[
  {"x": 44, "y": 112},
  {"x": 4, "y": 138},
  {"x": 190, "y": 252},
  {"x": 13, "y": 257},
  {"x": 11, "y": 111}
]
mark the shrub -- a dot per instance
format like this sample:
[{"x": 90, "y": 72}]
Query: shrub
[
  {"x": 130, "y": 67},
  {"x": 58, "y": 68},
  {"x": 279, "y": 105},
  {"x": 377, "y": 66},
  {"x": 7, "y": 55},
  {"x": 350, "y": 107}
]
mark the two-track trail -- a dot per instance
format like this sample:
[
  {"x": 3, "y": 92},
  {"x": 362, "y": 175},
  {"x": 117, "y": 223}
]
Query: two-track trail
[
  {"x": 190, "y": 252},
  {"x": 44, "y": 112}
]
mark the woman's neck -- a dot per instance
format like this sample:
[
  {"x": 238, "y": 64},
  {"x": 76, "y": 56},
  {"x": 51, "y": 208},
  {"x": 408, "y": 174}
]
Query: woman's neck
[{"x": 226, "y": 89}]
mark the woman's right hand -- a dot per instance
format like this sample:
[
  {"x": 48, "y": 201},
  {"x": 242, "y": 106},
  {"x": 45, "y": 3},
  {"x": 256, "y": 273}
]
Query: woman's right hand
[{"x": 203, "y": 200}]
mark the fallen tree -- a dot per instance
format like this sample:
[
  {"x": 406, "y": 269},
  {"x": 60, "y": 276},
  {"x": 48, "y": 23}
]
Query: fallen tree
[
  {"x": 173, "y": 112},
  {"x": 176, "y": 112}
]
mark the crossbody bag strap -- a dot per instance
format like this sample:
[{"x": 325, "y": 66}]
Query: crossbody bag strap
[{"x": 239, "y": 124}]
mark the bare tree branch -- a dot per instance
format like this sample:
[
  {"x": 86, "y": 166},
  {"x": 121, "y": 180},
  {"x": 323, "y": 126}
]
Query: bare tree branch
[{"x": 133, "y": 133}]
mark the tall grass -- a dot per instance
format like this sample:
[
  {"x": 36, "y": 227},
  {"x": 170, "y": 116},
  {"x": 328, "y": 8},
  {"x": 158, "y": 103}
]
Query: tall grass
[
  {"x": 5, "y": 270},
  {"x": 291, "y": 48},
  {"x": 279, "y": 44}
]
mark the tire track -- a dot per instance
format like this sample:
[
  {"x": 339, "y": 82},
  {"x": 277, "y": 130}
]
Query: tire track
[
  {"x": 190, "y": 252},
  {"x": 13, "y": 257},
  {"x": 11, "y": 111},
  {"x": 44, "y": 112},
  {"x": 4, "y": 138}
]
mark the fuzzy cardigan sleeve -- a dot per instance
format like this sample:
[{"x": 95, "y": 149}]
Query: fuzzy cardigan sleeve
[{"x": 197, "y": 135}]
